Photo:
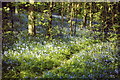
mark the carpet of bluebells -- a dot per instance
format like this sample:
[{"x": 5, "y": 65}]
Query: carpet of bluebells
[{"x": 81, "y": 56}]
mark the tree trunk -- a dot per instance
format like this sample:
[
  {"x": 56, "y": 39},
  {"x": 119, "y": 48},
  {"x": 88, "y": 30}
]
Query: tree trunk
[
  {"x": 75, "y": 19},
  {"x": 103, "y": 17},
  {"x": 62, "y": 11},
  {"x": 85, "y": 16},
  {"x": 91, "y": 16},
  {"x": 12, "y": 11},
  {"x": 118, "y": 35},
  {"x": 68, "y": 15},
  {"x": 16, "y": 8},
  {"x": 71, "y": 17},
  {"x": 50, "y": 20},
  {"x": 31, "y": 24}
]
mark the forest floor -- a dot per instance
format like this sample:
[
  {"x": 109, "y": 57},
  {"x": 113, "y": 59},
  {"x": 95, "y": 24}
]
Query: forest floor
[{"x": 85, "y": 55}]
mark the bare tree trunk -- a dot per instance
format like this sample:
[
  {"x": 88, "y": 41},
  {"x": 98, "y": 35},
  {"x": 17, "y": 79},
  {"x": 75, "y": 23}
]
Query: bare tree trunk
[
  {"x": 71, "y": 17},
  {"x": 75, "y": 19},
  {"x": 85, "y": 16},
  {"x": 50, "y": 20},
  {"x": 103, "y": 17},
  {"x": 62, "y": 12},
  {"x": 12, "y": 12},
  {"x": 68, "y": 15},
  {"x": 118, "y": 36},
  {"x": 91, "y": 16},
  {"x": 31, "y": 26},
  {"x": 16, "y": 8}
]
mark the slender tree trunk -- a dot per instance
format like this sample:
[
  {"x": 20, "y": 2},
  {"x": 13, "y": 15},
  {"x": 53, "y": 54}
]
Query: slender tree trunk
[
  {"x": 12, "y": 12},
  {"x": 31, "y": 26},
  {"x": 85, "y": 16},
  {"x": 113, "y": 11},
  {"x": 71, "y": 17},
  {"x": 103, "y": 19},
  {"x": 112, "y": 15},
  {"x": 50, "y": 20},
  {"x": 16, "y": 8},
  {"x": 68, "y": 14},
  {"x": 106, "y": 11},
  {"x": 118, "y": 35},
  {"x": 62, "y": 12},
  {"x": 91, "y": 16},
  {"x": 75, "y": 19},
  {"x": 108, "y": 21},
  {"x": 68, "y": 11}
]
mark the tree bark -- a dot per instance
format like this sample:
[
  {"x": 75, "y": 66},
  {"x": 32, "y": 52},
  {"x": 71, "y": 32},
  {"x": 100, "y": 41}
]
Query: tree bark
[
  {"x": 31, "y": 24},
  {"x": 71, "y": 17},
  {"x": 75, "y": 19},
  {"x": 12, "y": 12},
  {"x": 91, "y": 16},
  {"x": 85, "y": 16},
  {"x": 49, "y": 30},
  {"x": 62, "y": 12},
  {"x": 16, "y": 8}
]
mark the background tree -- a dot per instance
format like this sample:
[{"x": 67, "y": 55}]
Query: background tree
[
  {"x": 31, "y": 25},
  {"x": 62, "y": 13},
  {"x": 75, "y": 16},
  {"x": 91, "y": 14},
  {"x": 71, "y": 18},
  {"x": 49, "y": 30},
  {"x": 85, "y": 15}
]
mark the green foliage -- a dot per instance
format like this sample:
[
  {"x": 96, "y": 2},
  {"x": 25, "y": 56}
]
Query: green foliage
[
  {"x": 86, "y": 55},
  {"x": 88, "y": 63},
  {"x": 79, "y": 57}
]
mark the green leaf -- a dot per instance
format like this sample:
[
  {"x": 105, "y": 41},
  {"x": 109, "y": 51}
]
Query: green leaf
[{"x": 45, "y": 11}]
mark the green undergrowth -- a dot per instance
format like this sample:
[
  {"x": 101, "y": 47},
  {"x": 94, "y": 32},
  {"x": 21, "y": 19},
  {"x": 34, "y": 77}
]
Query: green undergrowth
[{"x": 79, "y": 56}]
